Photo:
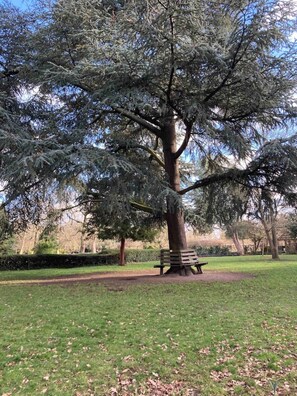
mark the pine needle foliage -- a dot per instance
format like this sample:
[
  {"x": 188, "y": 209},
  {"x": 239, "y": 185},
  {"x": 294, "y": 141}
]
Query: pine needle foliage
[{"x": 226, "y": 71}]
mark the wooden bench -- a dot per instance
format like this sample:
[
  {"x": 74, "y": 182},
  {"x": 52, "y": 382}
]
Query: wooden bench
[{"x": 183, "y": 259}]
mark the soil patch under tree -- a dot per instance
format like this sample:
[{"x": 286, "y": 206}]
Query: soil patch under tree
[{"x": 120, "y": 280}]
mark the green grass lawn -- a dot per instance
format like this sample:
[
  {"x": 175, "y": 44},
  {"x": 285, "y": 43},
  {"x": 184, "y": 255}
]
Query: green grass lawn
[{"x": 234, "y": 338}]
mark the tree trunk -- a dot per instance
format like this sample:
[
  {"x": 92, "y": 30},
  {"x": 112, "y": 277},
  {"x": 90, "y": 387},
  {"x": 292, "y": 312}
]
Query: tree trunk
[
  {"x": 175, "y": 216},
  {"x": 23, "y": 244},
  {"x": 82, "y": 248},
  {"x": 255, "y": 247},
  {"x": 274, "y": 247},
  {"x": 238, "y": 245},
  {"x": 271, "y": 238},
  {"x": 122, "y": 251},
  {"x": 263, "y": 248},
  {"x": 94, "y": 244},
  {"x": 35, "y": 238},
  {"x": 256, "y": 244},
  {"x": 83, "y": 244}
]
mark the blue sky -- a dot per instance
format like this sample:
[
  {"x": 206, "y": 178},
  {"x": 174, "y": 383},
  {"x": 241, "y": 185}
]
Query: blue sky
[{"x": 20, "y": 3}]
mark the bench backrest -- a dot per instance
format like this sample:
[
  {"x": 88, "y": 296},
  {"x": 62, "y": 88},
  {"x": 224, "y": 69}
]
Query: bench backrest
[{"x": 178, "y": 257}]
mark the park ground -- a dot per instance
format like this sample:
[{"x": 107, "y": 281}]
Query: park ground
[{"x": 134, "y": 336}]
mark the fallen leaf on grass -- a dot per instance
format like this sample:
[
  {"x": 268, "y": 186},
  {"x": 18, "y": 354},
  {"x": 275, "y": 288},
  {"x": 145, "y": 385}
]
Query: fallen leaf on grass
[
  {"x": 128, "y": 358},
  {"x": 204, "y": 351}
]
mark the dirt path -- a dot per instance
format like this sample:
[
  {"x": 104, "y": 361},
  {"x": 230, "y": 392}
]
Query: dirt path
[{"x": 120, "y": 280}]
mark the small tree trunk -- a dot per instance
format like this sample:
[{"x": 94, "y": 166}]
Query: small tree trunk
[
  {"x": 122, "y": 251},
  {"x": 254, "y": 247},
  {"x": 238, "y": 245},
  {"x": 257, "y": 244},
  {"x": 274, "y": 247},
  {"x": 22, "y": 244},
  {"x": 94, "y": 245},
  {"x": 263, "y": 248},
  {"x": 35, "y": 238},
  {"x": 82, "y": 248},
  {"x": 271, "y": 238},
  {"x": 83, "y": 245}
]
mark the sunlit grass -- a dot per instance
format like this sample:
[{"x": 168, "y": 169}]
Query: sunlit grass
[{"x": 214, "y": 337}]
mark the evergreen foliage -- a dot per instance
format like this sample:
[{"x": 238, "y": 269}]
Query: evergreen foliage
[
  {"x": 48, "y": 243},
  {"x": 292, "y": 225},
  {"x": 6, "y": 235},
  {"x": 130, "y": 89},
  {"x": 47, "y": 246}
]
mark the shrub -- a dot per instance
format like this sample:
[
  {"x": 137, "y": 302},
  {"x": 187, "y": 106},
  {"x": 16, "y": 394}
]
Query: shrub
[
  {"x": 7, "y": 246},
  {"x": 216, "y": 250},
  {"x": 47, "y": 246}
]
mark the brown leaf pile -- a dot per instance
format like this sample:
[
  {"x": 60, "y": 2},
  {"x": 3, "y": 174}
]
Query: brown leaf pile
[
  {"x": 127, "y": 386},
  {"x": 271, "y": 380}
]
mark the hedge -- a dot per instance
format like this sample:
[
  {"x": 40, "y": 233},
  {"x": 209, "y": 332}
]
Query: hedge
[
  {"x": 109, "y": 257},
  {"x": 137, "y": 255},
  {"x": 26, "y": 262},
  {"x": 142, "y": 255},
  {"x": 216, "y": 251}
]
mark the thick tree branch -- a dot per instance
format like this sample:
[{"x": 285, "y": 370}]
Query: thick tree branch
[
  {"x": 265, "y": 172},
  {"x": 92, "y": 198},
  {"x": 151, "y": 120},
  {"x": 142, "y": 207},
  {"x": 237, "y": 175},
  {"x": 208, "y": 181},
  {"x": 140, "y": 121}
]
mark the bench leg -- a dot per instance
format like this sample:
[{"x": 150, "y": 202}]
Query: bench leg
[
  {"x": 199, "y": 269},
  {"x": 194, "y": 271},
  {"x": 161, "y": 270}
]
